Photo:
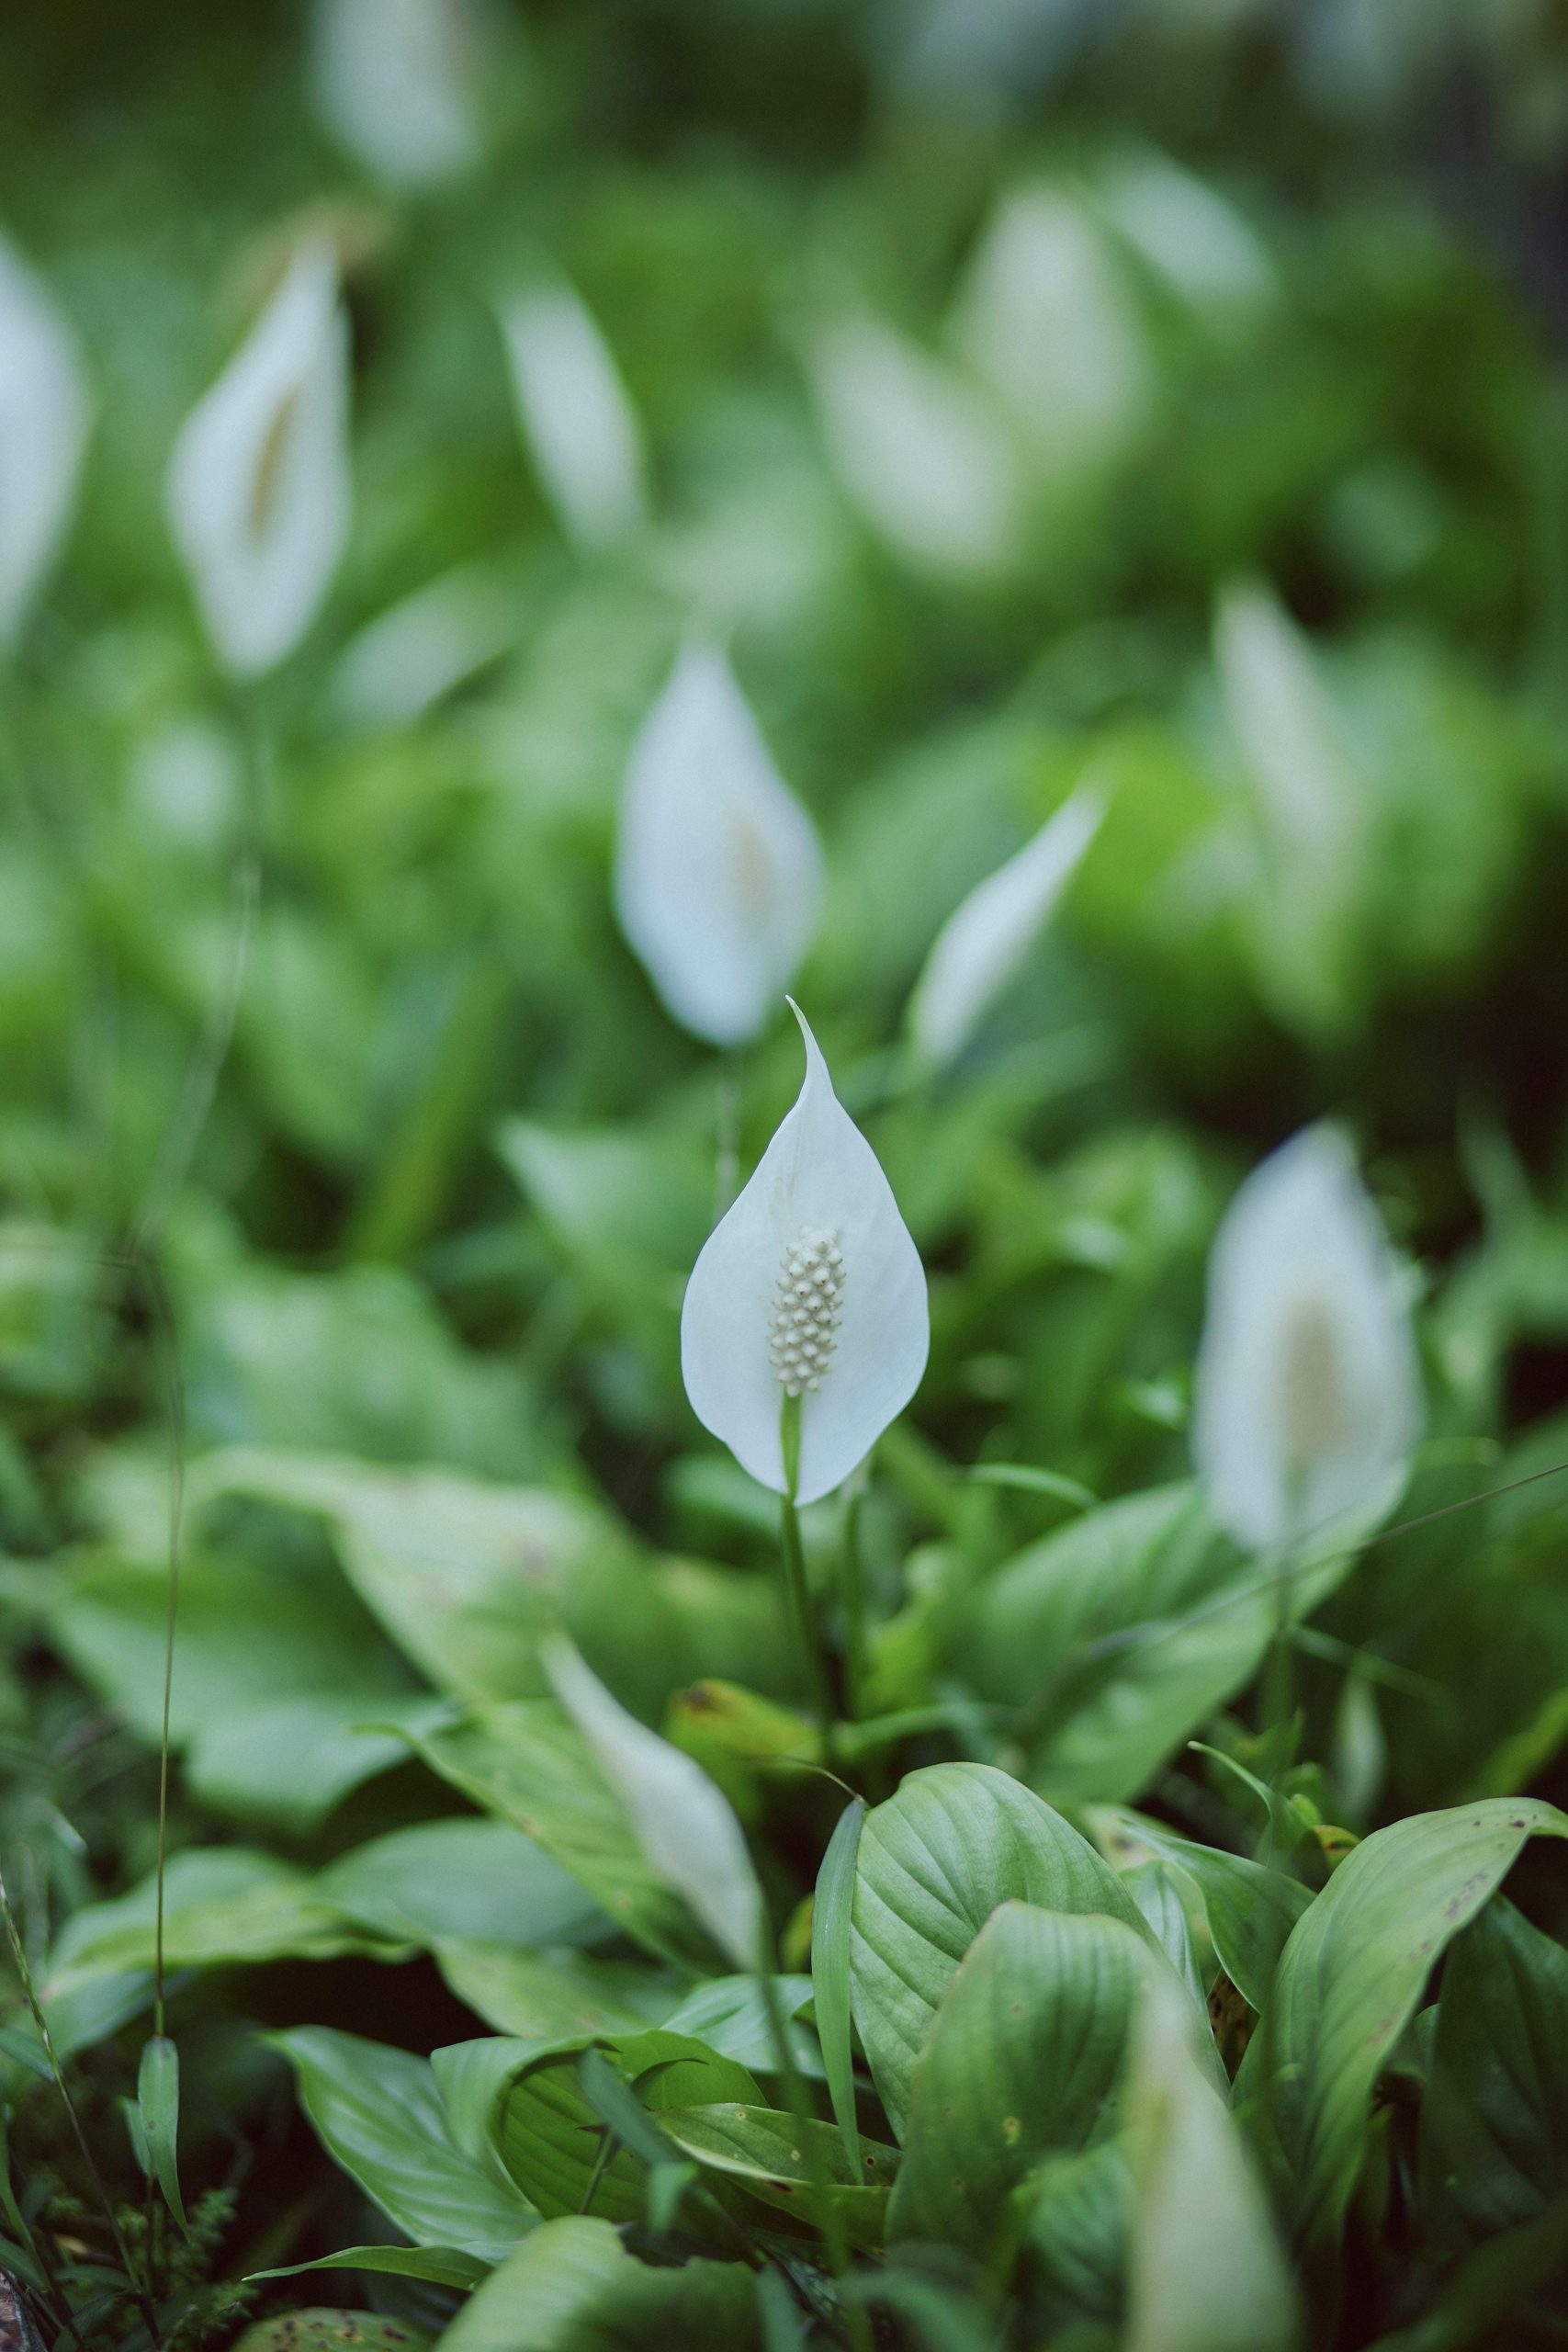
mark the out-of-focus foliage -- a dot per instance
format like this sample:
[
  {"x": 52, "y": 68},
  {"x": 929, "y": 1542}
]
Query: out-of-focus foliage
[{"x": 1163, "y": 398}]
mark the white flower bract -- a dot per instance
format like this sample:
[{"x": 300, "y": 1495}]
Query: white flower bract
[
  {"x": 985, "y": 941},
  {"x": 718, "y": 873},
  {"x": 685, "y": 1823},
  {"x": 576, "y": 415},
  {"x": 1308, "y": 1394},
  {"x": 396, "y": 81},
  {"x": 43, "y": 428},
  {"x": 810, "y": 1287},
  {"x": 258, "y": 487}
]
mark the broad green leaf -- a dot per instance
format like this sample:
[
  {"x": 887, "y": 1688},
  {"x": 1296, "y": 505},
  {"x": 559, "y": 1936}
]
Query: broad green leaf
[
  {"x": 291, "y": 1761},
  {"x": 158, "y": 2103},
  {"x": 531, "y": 1766},
  {"x": 1250, "y": 1908},
  {"x": 1158, "y": 1897},
  {"x": 1350, "y": 1979},
  {"x": 379, "y": 2114},
  {"x": 1075, "y": 2224},
  {"x": 934, "y": 1862},
  {"x": 549, "y": 1996},
  {"x": 1494, "y": 2118},
  {"x": 767, "y": 2153},
  {"x": 439, "y": 2265},
  {"x": 1117, "y": 1636},
  {"x": 730, "y": 2014},
  {"x": 465, "y": 1576},
  {"x": 1206, "y": 2272},
  {"x": 573, "y": 2282},
  {"x": 549, "y": 2137},
  {"x": 830, "y": 1915},
  {"x": 1021, "y": 2063},
  {"x": 224, "y": 1906},
  {"x": 462, "y": 1879}
]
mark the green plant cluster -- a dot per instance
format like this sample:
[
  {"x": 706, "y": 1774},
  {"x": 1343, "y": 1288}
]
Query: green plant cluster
[{"x": 351, "y": 1172}]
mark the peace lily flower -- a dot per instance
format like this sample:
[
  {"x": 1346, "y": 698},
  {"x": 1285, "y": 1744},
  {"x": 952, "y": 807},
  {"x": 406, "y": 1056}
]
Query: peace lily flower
[
  {"x": 984, "y": 943},
  {"x": 920, "y": 449},
  {"x": 719, "y": 874},
  {"x": 43, "y": 427},
  {"x": 1308, "y": 1396},
  {"x": 576, "y": 415},
  {"x": 805, "y": 1314},
  {"x": 258, "y": 487},
  {"x": 397, "y": 82},
  {"x": 688, "y": 1832}
]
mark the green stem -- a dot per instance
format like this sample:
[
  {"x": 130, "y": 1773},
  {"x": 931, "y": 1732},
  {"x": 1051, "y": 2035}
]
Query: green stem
[
  {"x": 796, "y": 1584},
  {"x": 853, "y": 1597}
]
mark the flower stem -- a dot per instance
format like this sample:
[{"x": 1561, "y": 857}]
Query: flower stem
[
  {"x": 854, "y": 1596},
  {"x": 796, "y": 1584}
]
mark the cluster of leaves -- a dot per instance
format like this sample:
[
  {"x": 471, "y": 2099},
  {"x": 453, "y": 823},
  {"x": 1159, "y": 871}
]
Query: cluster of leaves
[{"x": 1109, "y": 2010}]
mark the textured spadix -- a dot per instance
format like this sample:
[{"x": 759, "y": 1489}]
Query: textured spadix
[
  {"x": 258, "y": 487},
  {"x": 718, "y": 875},
  {"x": 1308, "y": 1396},
  {"x": 683, "y": 1821},
  {"x": 812, "y": 1286}
]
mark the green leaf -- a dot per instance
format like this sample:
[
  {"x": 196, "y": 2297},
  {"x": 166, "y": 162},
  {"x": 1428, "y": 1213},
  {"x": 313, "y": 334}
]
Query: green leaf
[
  {"x": 439, "y": 2265},
  {"x": 549, "y": 2137},
  {"x": 766, "y": 2152},
  {"x": 730, "y": 2014},
  {"x": 547, "y": 1996},
  {"x": 464, "y": 1880},
  {"x": 378, "y": 2113},
  {"x": 291, "y": 1761},
  {"x": 1250, "y": 1908},
  {"x": 1494, "y": 2118},
  {"x": 530, "y": 1765},
  {"x": 1075, "y": 2207},
  {"x": 1350, "y": 1979},
  {"x": 1118, "y": 1635},
  {"x": 1021, "y": 2063},
  {"x": 223, "y": 1905},
  {"x": 831, "y": 1909},
  {"x": 158, "y": 2103},
  {"x": 572, "y": 2282},
  {"x": 331, "y": 2331},
  {"x": 934, "y": 1862}
]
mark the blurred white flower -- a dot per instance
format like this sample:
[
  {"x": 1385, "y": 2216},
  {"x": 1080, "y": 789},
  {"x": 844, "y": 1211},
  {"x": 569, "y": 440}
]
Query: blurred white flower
[
  {"x": 258, "y": 486},
  {"x": 1308, "y": 807},
  {"x": 812, "y": 1288},
  {"x": 576, "y": 415},
  {"x": 685, "y": 1823},
  {"x": 1205, "y": 2271},
  {"x": 1308, "y": 1397},
  {"x": 718, "y": 873},
  {"x": 1200, "y": 243},
  {"x": 919, "y": 450},
  {"x": 1045, "y": 319},
  {"x": 398, "y": 81},
  {"x": 986, "y": 940},
  {"x": 43, "y": 428}
]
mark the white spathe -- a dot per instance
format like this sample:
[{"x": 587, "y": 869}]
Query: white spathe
[
  {"x": 918, "y": 448},
  {"x": 985, "y": 942},
  {"x": 1205, "y": 2269},
  {"x": 819, "y": 1194},
  {"x": 258, "y": 487},
  {"x": 576, "y": 415},
  {"x": 43, "y": 428},
  {"x": 719, "y": 871},
  {"x": 685, "y": 1823},
  {"x": 397, "y": 83},
  {"x": 1308, "y": 1392}
]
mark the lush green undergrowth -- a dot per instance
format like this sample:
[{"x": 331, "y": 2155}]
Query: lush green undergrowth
[{"x": 1153, "y": 1904}]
